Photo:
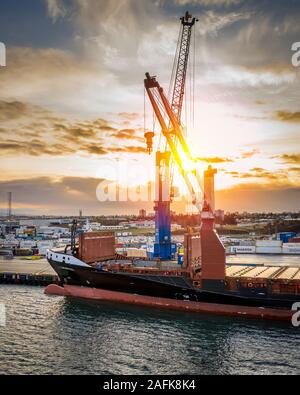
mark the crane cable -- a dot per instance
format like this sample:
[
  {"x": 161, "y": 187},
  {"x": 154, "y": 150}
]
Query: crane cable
[
  {"x": 192, "y": 75},
  {"x": 172, "y": 80},
  {"x": 145, "y": 111}
]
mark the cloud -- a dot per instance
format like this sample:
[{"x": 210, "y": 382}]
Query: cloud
[
  {"x": 81, "y": 133},
  {"x": 288, "y": 140},
  {"x": 49, "y": 77},
  {"x": 63, "y": 196},
  {"x": 38, "y": 131},
  {"x": 257, "y": 170},
  {"x": 237, "y": 75},
  {"x": 33, "y": 148},
  {"x": 52, "y": 191},
  {"x": 273, "y": 68},
  {"x": 250, "y": 154},
  {"x": 211, "y": 22},
  {"x": 129, "y": 116},
  {"x": 56, "y": 9},
  {"x": 215, "y": 160},
  {"x": 242, "y": 49},
  {"x": 94, "y": 149},
  {"x": 14, "y": 110},
  {"x": 66, "y": 195},
  {"x": 264, "y": 175},
  {"x": 210, "y": 2},
  {"x": 232, "y": 173},
  {"x": 127, "y": 134},
  {"x": 294, "y": 169},
  {"x": 289, "y": 158},
  {"x": 129, "y": 149},
  {"x": 267, "y": 198},
  {"x": 107, "y": 128},
  {"x": 287, "y": 116}
]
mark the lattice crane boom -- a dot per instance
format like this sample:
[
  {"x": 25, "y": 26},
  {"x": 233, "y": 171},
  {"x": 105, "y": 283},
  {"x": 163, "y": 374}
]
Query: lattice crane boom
[
  {"x": 183, "y": 57},
  {"x": 164, "y": 160},
  {"x": 158, "y": 98}
]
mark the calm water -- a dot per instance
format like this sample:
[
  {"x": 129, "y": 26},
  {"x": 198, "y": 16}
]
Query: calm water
[{"x": 52, "y": 335}]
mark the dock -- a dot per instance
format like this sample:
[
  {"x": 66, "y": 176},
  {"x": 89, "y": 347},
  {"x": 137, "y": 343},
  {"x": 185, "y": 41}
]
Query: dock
[{"x": 20, "y": 272}]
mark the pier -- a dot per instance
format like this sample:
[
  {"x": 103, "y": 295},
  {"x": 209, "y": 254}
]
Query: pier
[{"x": 21, "y": 272}]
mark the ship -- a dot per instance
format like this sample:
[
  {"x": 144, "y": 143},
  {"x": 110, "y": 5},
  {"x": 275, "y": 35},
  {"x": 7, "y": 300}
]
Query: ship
[
  {"x": 92, "y": 269},
  {"x": 205, "y": 283}
]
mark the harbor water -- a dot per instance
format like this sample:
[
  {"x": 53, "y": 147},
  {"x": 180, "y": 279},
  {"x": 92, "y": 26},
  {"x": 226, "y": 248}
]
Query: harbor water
[{"x": 54, "y": 335}]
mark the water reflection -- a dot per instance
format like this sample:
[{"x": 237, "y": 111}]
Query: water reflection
[{"x": 64, "y": 336}]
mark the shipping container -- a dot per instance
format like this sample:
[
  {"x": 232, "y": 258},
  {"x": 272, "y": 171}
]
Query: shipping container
[
  {"x": 288, "y": 250},
  {"x": 286, "y": 236},
  {"x": 27, "y": 244},
  {"x": 180, "y": 259},
  {"x": 243, "y": 249},
  {"x": 268, "y": 243},
  {"x": 295, "y": 240},
  {"x": 269, "y": 250},
  {"x": 136, "y": 253},
  {"x": 24, "y": 252},
  {"x": 150, "y": 255},
  {"x": 174, "y": 248},
  {"x": 96, "y": 247},
  {"x": 192, "y": 250},
  {"x": 291, "y": 245}
]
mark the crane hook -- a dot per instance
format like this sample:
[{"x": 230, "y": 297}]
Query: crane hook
[{"x": 149, "y": 139}]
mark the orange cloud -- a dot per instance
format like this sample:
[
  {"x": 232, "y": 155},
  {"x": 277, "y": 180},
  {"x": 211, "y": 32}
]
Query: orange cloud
[
  {"x": 287, "y": 116},
  {"x": 289, "y": 158},
  {"x": 215, "y": 160},
  {"x": 257, "y": 170},
  {"x": 129, "y": 149},
  {"x": 250, "y": 154},
  {"x": 129, "y": 116}
]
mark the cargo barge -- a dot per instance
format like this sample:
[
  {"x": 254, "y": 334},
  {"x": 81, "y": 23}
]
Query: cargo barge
[{"x": 93, "y": 268}]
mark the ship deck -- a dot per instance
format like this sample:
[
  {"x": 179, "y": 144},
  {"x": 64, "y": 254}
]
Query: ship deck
[{"x": 263, "y": 273}]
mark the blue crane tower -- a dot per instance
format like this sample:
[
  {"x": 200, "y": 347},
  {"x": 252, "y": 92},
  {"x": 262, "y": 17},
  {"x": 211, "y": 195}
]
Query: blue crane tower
[{"x": 163, "y": 247}]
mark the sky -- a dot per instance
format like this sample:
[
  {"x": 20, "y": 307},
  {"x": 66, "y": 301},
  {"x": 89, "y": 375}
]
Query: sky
[{"x": 72, "y": 101}]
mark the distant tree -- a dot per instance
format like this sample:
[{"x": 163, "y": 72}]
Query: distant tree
[{"x": 230, "y": 219}]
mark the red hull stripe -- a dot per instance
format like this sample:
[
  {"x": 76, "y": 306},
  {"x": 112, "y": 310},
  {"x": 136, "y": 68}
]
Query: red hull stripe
[{"x": 170, "y": 304}]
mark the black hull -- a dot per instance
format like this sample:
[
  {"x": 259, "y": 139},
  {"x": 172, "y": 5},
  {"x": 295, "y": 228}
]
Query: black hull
[{"x": 170, "y": 287}]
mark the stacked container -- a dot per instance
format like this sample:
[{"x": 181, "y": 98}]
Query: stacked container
[
  {"x": 291, "y": 249},
  {"x": 269, "y": 247}
]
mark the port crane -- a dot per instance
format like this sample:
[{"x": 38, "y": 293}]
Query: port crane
[
  {"x": 163, "y": 245},
  {"x": 180, "y": 151},
  {"x": 211, "y": 261}
]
